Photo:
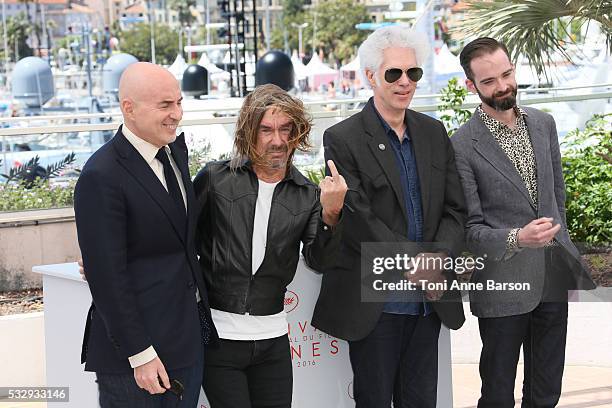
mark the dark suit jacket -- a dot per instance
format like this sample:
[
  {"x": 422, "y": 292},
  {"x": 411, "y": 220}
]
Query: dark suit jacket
[
  {"x": 375, "y": 212},
  {"x": 140, "y": 261}
]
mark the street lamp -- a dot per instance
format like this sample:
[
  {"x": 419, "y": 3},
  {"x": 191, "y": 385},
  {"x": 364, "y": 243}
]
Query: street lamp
[{"x": 300, "y": 27}]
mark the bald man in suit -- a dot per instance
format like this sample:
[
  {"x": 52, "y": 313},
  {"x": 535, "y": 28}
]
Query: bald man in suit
[{"x": 136, "y": 214}]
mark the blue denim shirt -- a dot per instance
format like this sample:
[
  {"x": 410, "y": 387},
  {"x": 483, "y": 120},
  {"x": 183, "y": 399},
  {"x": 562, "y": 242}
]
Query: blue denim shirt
[{"x": 409, "y": 177}]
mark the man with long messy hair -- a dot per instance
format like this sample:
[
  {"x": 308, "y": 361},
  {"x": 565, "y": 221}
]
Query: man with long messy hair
[
  {"x": 256, "y": 210},
  {"x": 253, "y": 110}
]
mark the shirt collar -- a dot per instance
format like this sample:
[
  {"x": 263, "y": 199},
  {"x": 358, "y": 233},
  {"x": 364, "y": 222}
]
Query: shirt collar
[
  {"x": 146, "y": 149},
  {"x": 520, "y": 114},
  {"x": 386, "y": 126}
]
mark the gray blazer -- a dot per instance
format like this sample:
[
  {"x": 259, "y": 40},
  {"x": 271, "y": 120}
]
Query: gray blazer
[{"x": 497, "y": 201}]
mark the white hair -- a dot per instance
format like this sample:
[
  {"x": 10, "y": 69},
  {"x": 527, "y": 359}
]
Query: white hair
[{"x": 371, "y": 50}]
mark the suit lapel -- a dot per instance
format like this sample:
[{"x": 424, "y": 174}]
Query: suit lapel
[
  {"x": 422, "y": 155},
  {"x": 536, "y": 134},
  {"x": 486, "y": 145},
  {"x": 383, "y": 152},
  {"x": 133, "y": 162}
]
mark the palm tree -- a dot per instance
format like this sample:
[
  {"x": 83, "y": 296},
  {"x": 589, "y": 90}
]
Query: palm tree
[
  {"x": 537, "y": 29},
  {"x": 184, "y": 9},
  {"x": 27, "y": 10},
  {"x": 33, "y": 22},
  {"x": 37, "y": 27},
  {"x": 186, "y": 17},
  {"x": 18, "y": 31}
]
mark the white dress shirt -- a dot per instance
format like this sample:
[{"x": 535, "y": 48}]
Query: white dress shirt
[{"x": 148, "y": 152}]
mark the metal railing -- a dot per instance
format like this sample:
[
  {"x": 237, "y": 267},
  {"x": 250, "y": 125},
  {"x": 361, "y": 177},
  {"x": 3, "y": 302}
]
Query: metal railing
[{"x": 343, "y": 109}]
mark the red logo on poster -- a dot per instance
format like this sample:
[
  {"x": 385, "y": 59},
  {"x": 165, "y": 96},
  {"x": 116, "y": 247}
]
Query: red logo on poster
[{"x": 291, "y": 301}]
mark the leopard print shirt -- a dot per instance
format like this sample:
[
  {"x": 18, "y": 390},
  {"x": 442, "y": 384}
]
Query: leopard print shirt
[{"x": 517, "y": 146}]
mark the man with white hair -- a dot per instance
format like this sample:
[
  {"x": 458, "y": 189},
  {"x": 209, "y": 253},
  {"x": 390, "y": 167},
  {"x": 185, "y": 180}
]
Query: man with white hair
[{"x": 403, "y": 189}]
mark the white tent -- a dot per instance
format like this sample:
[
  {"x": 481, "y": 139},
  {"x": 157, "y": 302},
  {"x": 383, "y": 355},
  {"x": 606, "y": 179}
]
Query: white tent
[
  {"x": 214, "y": 72},
  {"x": 354, "y": 65},
  {"x": 301, "y": 72},
  {"x": 210, "y": 67},
  {"x": 317, "y": 67},
  {"x": 319, "y": 73},
  {"x": 445, "y": 62},
  {"x": 446, "y": 66},
  {"x": 227, "y": 59},
  {"x": 178, "y": 67}
]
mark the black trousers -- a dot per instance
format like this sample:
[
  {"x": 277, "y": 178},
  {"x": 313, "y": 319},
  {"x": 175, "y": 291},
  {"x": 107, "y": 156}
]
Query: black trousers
[
  {"x": 249, "y": 374},
  {"x": 397, "y": 362},
  {"x": 121, "y": 390},
  {"x": 542, "y": 334}
]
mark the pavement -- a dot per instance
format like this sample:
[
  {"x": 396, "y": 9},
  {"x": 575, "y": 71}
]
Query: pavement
[{"x": 583, "y": 387}]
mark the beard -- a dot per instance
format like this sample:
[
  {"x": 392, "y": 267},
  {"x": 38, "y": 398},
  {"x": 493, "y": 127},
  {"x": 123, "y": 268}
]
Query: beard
[
  {"x": 498, "y": 104},
  {"x": 277, "y": 162}
]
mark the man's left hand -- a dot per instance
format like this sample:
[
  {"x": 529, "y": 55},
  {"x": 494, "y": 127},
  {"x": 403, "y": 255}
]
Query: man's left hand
[{"x": 333, "y": 190}]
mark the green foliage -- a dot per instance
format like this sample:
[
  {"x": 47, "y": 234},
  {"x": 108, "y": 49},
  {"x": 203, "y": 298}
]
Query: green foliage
[
  {"x": 64, "y": 42},
  {"x": 16, "y": 197},
  {"x": 537, "y": 29},
  {"x": 137, "y": 41},
  {"x": 293, "y": 13},
  {"x": 315, "y": 175},
  {"x": 336, "y": 20},
  {"x": 18, "y": 31},
  {"x": 598, "y": 262},
  {"x": 334, "y": 34},
  {"x": 116, "y": 28},
  {"x": 292, "y": 7},
  {"x": 587, "y": 168},
  {"x": 42, "y": 193},
  {"x": 54, "y": 169},
  {"x": 453, "y": 96},
  {"x": 284, "y": 27},
  {"x": 197, "y": 159}
]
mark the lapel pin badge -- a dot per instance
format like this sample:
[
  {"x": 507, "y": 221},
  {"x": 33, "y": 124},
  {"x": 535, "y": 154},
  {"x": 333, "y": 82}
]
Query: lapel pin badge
[{"x": 382, "y": 146}]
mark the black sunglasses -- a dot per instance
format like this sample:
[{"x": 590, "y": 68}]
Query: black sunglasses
[{"x": 393, "y": 74}]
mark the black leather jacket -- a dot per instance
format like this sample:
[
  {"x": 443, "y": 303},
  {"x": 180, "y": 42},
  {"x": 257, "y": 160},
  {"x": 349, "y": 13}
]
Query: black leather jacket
[{"x": 225, "y": 231}]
